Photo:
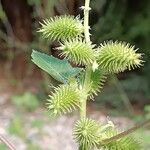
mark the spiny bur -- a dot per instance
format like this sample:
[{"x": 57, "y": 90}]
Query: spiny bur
[
  {"x": 61, "y": 28},
  {"x": 77, "y": 51},
  {"x": 115, "y": 57}
]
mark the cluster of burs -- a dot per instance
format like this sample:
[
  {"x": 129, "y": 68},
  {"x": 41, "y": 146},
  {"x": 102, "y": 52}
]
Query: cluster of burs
[{"x": 95, "y": 63}]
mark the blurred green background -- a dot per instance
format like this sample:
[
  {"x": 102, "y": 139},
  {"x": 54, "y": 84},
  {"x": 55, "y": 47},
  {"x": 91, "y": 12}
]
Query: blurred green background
[{"x": 25, "y": 87}]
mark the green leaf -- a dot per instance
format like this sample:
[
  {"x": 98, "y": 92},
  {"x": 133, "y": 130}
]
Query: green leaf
[{"x": 60, "y": 70}]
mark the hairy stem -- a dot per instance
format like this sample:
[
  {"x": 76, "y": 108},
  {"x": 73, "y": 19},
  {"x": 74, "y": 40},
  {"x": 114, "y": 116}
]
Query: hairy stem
[
  {"x": 86, "y": 20},
  {"x": 87, "y": 39},
  {"x": 86, "y": 90},
  {"x": 83, "y": 109}
]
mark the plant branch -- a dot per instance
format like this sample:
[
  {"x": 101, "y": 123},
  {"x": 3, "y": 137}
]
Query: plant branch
[
  {"x": 125, "y": 133},
  {"x": 7, "y": 143},
  {"x": 87, "y": 39}
]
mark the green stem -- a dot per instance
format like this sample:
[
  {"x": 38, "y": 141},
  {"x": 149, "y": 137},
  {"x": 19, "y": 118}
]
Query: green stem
[
  {"x": 86, "y": 89},
  {"x": 83, "y": 109},
  {"x": 88, "y": 69}
]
